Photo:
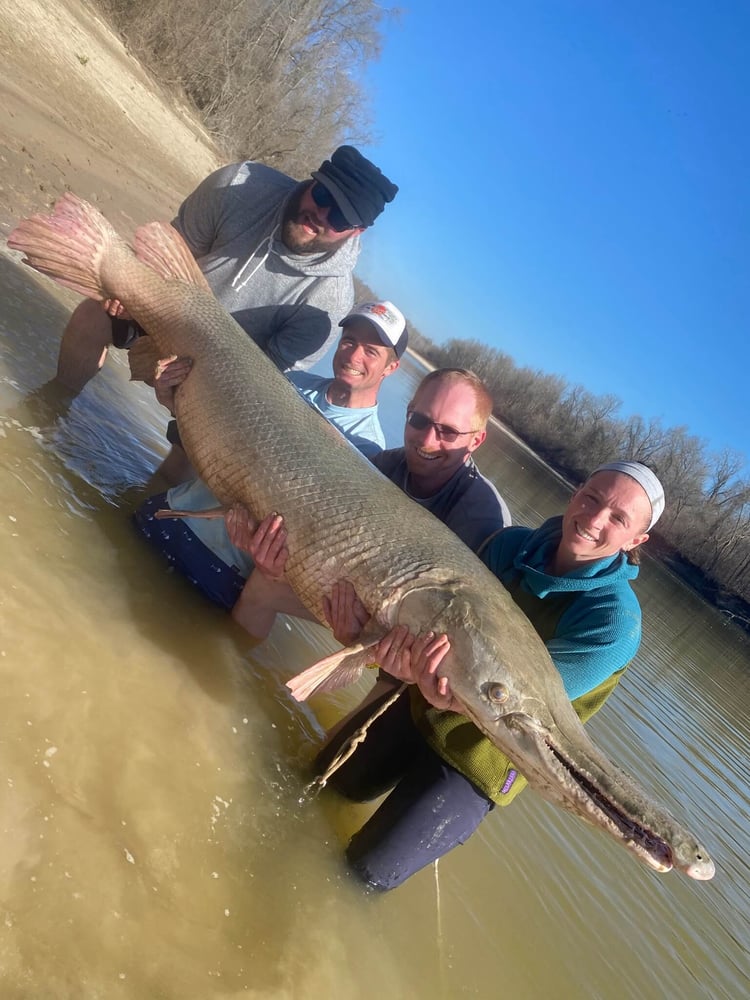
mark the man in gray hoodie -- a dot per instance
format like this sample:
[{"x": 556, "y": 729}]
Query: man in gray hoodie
[{"x": 278, "y": 254}]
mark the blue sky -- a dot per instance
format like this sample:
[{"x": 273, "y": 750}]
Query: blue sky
[{"x": 575, "y": 190}]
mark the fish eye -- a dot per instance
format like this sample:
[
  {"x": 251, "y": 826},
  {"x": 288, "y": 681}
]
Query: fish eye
[{"x": 497, "y": 693}]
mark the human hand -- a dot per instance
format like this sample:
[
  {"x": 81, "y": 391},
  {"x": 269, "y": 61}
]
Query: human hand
[
  {"x": 416, "y": 659},
  {"x": 427, "y": 653},
  {"x": 345, "y": 613},
  {"x": 266, "y": 542},
  {"x": 393, "y": 653},
  {"x": 115, "y": 308},
  {"x": 168, "y": 375}
]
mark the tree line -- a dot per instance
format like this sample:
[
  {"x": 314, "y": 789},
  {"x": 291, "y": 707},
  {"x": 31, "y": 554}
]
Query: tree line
[
  {"x": 705, "y": 528},
  {"x": 704, "y": 532},
  {"x": 282, "y": 81}
]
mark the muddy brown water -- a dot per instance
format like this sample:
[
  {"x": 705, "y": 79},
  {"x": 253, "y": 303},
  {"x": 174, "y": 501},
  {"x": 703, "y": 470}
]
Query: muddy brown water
[{"x": 156, "y": 841}]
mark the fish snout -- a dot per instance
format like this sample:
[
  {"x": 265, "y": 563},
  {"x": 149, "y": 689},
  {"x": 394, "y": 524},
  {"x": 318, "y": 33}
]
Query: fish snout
[{"x": 701, "y": 869}]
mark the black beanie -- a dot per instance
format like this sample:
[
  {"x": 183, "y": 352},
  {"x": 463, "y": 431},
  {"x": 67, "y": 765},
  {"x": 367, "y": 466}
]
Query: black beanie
[{"x": 359, "y": 189}]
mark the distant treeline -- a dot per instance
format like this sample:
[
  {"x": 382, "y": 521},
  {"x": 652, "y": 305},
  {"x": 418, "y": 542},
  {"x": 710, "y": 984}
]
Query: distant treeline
[
  {"x": 704, "y": 532},
  {"x": 281, "y": 81}
]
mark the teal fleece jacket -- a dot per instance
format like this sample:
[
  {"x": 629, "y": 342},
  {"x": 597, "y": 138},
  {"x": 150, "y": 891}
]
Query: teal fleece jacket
[
  {"x": 590, "y": 621},
  {"x": 600, "y": 629}
]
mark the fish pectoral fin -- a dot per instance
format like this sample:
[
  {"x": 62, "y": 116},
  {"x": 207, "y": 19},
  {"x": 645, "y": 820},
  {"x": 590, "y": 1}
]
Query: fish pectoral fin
[
  {"x": 159, "y": 245},
  {"x": 207, "y": 515},
  {"x": 332, "y": 672}
]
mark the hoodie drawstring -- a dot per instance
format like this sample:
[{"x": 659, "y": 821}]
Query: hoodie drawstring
[{"x": 267, "y": 240}]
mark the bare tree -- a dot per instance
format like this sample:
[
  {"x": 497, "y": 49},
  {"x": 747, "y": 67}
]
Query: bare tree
[{"x": 275, "y": 80}]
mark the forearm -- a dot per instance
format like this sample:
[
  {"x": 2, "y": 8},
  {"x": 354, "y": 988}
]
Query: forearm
[{"x": 261, "y": 600}]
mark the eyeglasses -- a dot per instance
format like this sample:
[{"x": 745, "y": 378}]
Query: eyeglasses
[
  {"x": 324, "y": 199},
  {"x": 420, "y": 422}
]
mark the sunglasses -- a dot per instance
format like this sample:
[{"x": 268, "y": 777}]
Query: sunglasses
[
  {"x": 420, "y": 422},
  {"x": 324, "y": 199}
]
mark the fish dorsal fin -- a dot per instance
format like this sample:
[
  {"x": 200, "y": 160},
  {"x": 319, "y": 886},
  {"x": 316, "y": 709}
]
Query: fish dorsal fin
[
  {"x": 332, "y": 672},
  {"x": 161, "y": 247}
]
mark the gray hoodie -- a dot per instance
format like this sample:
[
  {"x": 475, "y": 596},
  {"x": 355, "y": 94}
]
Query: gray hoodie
[{"x": 290, "y": 304}]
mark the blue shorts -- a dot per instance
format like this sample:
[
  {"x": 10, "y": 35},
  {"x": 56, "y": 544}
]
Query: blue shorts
[
  {"x": 432, "y": 808},
  {"x": 220, "y": 583}
]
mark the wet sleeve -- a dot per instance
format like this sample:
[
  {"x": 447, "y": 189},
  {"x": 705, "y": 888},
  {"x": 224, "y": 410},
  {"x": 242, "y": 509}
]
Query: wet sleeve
[{"x": 499, "y": 550}]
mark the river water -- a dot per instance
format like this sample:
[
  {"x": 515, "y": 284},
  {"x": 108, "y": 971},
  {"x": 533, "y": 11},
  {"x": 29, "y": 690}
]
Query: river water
[{"x": 156, "y": 842}]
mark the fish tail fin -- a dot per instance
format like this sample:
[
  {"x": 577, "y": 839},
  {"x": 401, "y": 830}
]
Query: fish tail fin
[
  {"x": 332, "y": 672},
  {"x": 69, "y": 245},
  {"x": 159, "y": 245}
]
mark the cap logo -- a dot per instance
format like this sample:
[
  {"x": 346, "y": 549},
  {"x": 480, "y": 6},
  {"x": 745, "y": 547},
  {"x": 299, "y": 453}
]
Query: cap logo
[
  {"x": 388, "y": 321},
  {"x": 378, "y": 309}
]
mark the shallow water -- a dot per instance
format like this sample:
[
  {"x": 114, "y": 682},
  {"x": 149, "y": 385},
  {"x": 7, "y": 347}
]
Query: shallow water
[{"x": 156, "y": 837}]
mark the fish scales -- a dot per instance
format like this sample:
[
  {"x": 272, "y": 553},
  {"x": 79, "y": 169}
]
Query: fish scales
[
  {"x": 256, "y": 442},
  {"x": 333, "y": 501}
]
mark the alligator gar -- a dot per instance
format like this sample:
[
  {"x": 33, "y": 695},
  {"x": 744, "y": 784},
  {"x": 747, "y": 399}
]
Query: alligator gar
[{"x": 256, "y": 442}]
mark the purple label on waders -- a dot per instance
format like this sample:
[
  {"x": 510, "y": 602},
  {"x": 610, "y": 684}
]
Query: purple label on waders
[{"x": 512, "y": 775}]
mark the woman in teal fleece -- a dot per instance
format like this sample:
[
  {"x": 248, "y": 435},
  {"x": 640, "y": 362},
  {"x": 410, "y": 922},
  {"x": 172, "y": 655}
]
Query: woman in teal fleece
[
  {"x": 598, "y": 618},
  {"x": 572, "y": 579}
]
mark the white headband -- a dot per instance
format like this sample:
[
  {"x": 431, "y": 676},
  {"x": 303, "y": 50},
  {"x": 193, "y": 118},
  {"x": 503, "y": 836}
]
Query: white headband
[{"x": 645, "y": 478}]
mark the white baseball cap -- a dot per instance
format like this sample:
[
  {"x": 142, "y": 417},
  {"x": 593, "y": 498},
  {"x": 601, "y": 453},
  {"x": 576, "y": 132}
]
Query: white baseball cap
[{"x": 387, "y": 320}]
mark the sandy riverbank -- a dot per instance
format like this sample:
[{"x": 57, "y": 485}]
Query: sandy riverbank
[{"x": 78, "y": 113}]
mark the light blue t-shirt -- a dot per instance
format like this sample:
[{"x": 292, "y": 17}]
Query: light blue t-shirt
[{"x": 360, "y": 425}]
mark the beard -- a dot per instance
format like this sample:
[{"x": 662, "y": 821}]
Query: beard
[{"x": 293, "y": 234}]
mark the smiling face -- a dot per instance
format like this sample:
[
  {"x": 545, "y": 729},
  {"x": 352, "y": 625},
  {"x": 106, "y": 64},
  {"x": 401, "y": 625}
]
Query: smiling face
[
  {"x": 360, "y": 363},
  {"x": 430, "y": 457},
  {"x": 608, "y": 514},
  {"x": 305, "y": 226}
]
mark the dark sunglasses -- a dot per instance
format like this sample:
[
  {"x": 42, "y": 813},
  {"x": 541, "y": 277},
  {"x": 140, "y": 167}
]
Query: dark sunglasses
[
  {"x": 420, "y": 422},
  {"x": 324, "y": 199}
]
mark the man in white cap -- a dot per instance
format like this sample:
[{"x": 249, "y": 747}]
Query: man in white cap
[
  {"x": 372, "y": 343},
  {"x": 373, "y": 340}
]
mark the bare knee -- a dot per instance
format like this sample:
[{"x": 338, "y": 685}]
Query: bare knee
[{"x": 85, "y": 341}]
